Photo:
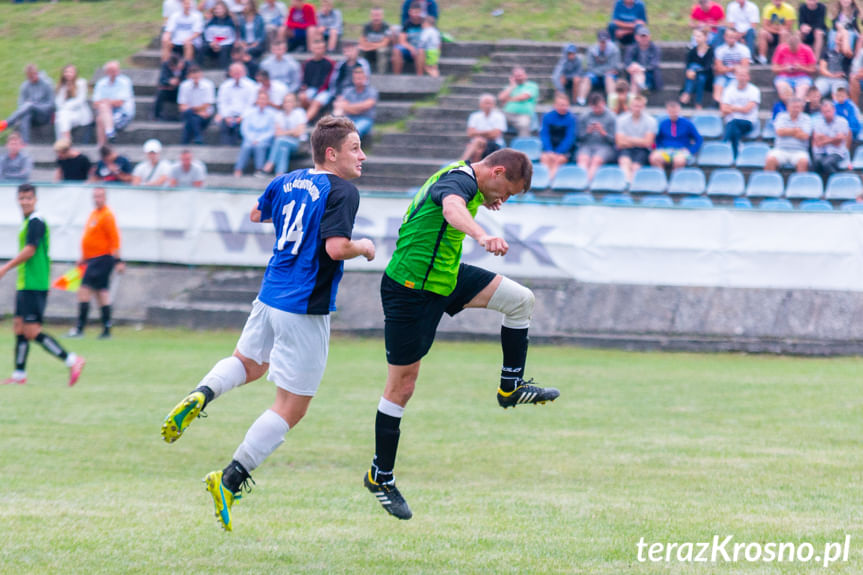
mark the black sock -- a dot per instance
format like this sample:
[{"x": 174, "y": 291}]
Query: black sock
[
  {"x": 83, "y": 312},
  {"x": 514, "y": 344},
  {"x": 234, "y": 475},
  {"x": 106, "y": 318},
  {"x": 386, "y": 444},
  {"x": 22, "y": 348},
  {"x": 209, "y": 395},
  {"x": 52, "y": 346}
]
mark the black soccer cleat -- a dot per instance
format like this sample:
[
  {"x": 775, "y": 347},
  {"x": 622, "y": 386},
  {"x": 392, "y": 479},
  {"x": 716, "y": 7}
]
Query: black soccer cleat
[
  {"x": 526, "y": 392},
  {"x": 388, "y": 496}
]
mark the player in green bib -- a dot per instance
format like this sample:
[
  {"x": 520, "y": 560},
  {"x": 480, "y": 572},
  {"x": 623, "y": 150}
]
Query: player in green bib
[
  {"x": 34, "y": 280},
  {"x": 426, "y": 278}
]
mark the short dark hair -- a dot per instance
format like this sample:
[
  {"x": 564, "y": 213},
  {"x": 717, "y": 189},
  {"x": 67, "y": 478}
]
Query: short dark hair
[
  {"x": 594, "y": 99},
  {"x": 330, "y": 132},
  {"x": 105, "y": 151},
  {"x": 27, "y": 189},
  {"x": 193, "y": 68},
  {"x": 517, "y": 165}
]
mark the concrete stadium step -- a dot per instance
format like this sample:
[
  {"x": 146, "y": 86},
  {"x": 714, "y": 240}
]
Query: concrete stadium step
[
  {"x": 436, "y": 127},
  {"x": 225, "y": 296},
  {"x": 433, "y": 149},
  {"x": 672, "y": 50},
  {"x": 199, "y": 316},
  {"x": 466, "y": 49}
]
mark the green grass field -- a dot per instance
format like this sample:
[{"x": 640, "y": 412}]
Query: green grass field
[{"x": 669, "y": 447}]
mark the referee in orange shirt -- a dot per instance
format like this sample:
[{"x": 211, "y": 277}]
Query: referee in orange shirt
[{"x": 100, "y": 251}]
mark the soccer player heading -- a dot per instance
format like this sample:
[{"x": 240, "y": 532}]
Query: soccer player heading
[
  {"x": 425, "y": 278},
  {"x": 312, "y": 212}
]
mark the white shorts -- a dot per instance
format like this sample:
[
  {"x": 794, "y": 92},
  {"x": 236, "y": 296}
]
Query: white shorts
[
  {"x": 788, "y": 156},
  {"x": 295, "y": 346}
]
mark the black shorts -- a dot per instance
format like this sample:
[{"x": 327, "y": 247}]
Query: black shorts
[
  {"x": 98, "y": 272},
  {"x": 411, "y": 316},
  {"x": 637, "y": 155},
  {"x": 30, "y": 305}
]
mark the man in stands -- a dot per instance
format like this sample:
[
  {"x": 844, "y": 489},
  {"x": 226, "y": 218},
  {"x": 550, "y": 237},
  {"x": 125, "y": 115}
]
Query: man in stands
[
  {"x": 601, "y": 67},
  {"x": 642, "y": 61},
  {"x": 793, "y": 64},
  {"x": 35, "y": 103},
  {"x": 153, "y": 171},
  {"x": 848, "y": 110},
  {"x": 777, "y": 18},
  {"x": 519, "y": 101},
  {"x": 282, "y": 67},
  {"x": 72, "y": 165},
  {"x": 358, "y": 102},
  {"x": 196, "y": 100},
  {"x": 112, "y": 167},
  {"x": 677, "y": 139},
  {"x": 188, "y": 172},
  {"x": 567, "y": 72},
  {"x": 812, "y": 22},
  {"x": 833, "y": 69},
  {"x": 634, "y": 137},
  {"x": 183, "y": 31},
  {"x": 793, "y": 129},
  {"x": 316, "y": 91},
  {"x": 114, "y": 102},
  {"x": 407, "y": 48},
  {"x": 739, "y": 108},
  {"x": 830, "y": 135},
  {"x": 558, "y": 134},
  {"x": 626, "y": 17},
  {"x": 743, "y": 17},
  {"x": 375, "y": 41},
  {"x": 728, "y": 57},
  {"x": 707, "y": 16},
  {"x": 235, "y": 96},
  {"x": 485, "y": 128},
  {"x": 596, "y": 130},
  {"x": 15, "y": 164}
]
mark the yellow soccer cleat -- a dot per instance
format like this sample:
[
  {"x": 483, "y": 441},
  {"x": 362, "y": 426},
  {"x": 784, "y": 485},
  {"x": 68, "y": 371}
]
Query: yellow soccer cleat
[
  {"x": 182, "y": 416},
  {"x": 222, "y": 498}
]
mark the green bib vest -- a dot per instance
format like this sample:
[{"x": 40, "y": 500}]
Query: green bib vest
[{"x": 35, "y": 273}]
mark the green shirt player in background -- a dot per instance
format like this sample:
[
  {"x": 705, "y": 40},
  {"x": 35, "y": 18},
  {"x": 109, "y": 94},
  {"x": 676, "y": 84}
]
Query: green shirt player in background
[
  {"x": 34, "y": 280},
  {"x": 426, "y": 278}
]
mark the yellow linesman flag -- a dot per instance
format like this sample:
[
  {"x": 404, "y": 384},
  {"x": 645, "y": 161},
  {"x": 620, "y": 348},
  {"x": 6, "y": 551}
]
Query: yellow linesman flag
[{"x": 71, "y": 280}]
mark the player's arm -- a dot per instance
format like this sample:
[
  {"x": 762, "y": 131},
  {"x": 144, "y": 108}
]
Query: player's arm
[
  {"x": 345, "y": 249},
  {"x": 456, "y": 214},
  {"x": 35, "y": 233}
]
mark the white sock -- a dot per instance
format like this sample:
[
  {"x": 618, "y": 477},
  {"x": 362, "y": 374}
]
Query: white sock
[
  {"x": 71, "y": 359},
  {"x": 264, "y": 436},
  {"x": 225, "y": 376}
]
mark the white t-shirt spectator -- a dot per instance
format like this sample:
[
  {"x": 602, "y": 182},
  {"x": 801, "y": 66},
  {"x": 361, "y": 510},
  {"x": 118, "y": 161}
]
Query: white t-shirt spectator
[
  {"x": 628, "y": 126},
  {"x": 838, "y": 127},
  {"x": 197, "y": 173},
  {"x": 194, "y": 96},
  {"x": 494, "y": 121},
  {"x": 276, "y": 93},
  {"x": 296, "y": 117},
  {"x": 234, "y": 98},
  {"x": 742, "y": 18},
  {"x": 119, "y": 89},
  {"x": 731, "y": 56},
  {"x": 273, "y": 15},
  {"x": 150, "y": 173},
  {"x": 789, "y": 143},
  {"x": 182, "y": 26},
  {"x": 286, "y": 70},
  {"x": 734, "y": 96}
]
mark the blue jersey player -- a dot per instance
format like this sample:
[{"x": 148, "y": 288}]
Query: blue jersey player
[{"x": 287, "y": 333}]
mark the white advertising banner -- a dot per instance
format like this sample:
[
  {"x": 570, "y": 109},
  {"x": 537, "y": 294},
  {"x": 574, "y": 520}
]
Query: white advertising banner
[{"x": 717, "y": 247}]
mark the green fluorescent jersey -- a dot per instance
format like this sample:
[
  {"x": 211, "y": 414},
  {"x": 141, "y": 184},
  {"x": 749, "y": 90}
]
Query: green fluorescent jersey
[
  {"x": 428, "y": 250},
  {"x": 35, "y": 273}
]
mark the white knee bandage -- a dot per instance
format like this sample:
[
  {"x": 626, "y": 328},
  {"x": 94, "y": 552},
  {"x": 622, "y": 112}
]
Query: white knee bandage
[{"x": 515, "y": 302}]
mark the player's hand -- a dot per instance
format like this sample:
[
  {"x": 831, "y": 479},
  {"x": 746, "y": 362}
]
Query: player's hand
[
  {"x": 494, "y": 245},
  {"x": 368, "y": 248},
  {"x": 495, "y": 205}
]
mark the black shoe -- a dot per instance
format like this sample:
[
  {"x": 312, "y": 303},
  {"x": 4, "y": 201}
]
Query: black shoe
[
  {"x": 526, "y": 392},
  {"x": 105, "y": 335},
  {"x": 388, "y": 496}
]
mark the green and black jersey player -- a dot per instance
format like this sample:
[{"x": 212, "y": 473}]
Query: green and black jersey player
[
  {"x": 34, "y": 280},
  {"x": 426, "y": 278}
]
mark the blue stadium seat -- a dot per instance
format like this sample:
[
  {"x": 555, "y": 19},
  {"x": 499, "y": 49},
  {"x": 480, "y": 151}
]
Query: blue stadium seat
[
  {"x": 769, "y": 131},
  {"x": 687, "y": 181},
  {"x": 657, "y": 202},
  {"x": 649, "y": 180},
  {"x": 755, "y": 133},
  {"x": 815, "y": 206},
  {"x": 765, "y": 185},
  {"x": 695, "y": 202},
  {"x": 617, "y": 200},
  {"x": 530, "y": 146},
  {"x": 710, "y": 127},
  {"x": 569, "y": 178},
  {"x": 851, "y": 206},
  {"x": 540, "y": 178},
  {"x": 524, "y": 197},
  {"x": 776, "y": 204},
  {"x": 743, "y": 203},
  {"x": 716, "y": 154},
  {"x": 857, "y": 161},
  {"x": 804, "y": 186},
  {"x": 608, "y": 179},
  {"x": 727, "y": 182},
  {"x": 578, "y": 199},
  {"x": 752, "y": 155},
  {"x": 845, "y": 186}
]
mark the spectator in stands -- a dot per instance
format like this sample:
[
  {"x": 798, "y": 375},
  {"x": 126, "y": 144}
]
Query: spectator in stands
[
  {"x": 844, "y": 26},
  {"x": 168, "y": 8},
  {"x": 274, "y": 14},
  {"x": 777, "y": 18},
  {"x": 188, "y": 172},
  {"x": 258, "y": 129},
  {"x": 596, "y": 136},
  {"x": 699, "y": 71},
  {"x": 407, "y": 48},
  {"x": 855, "y": 77},
  {"x": 833, "y": 69},
  {"x": 330, "y": 26},
  {"x": 848, "y": 110},
  {"x": 112, "y": 167},
  {"x": 426, "y": 7},
  {"x": 291, "y": 126},
  {"x": 236, "y": 94},
  {"x": 793, "y": 129},
  {"x": 626, "y": 16},
  {"x": 72, "y": 165},
  {"x": 343, "y": 76},
  {"x": 813, "y": 103},
  {"x": 16, "y": 164},
  {"x": 601, "y": 69},
  {"x": 182, "y": 35},
  {"x": 358, "y": 103},
  {"x": 812, "y": 20},
  {"x": 171, "y": 74},
  {"x": 153, "y": 171},
  {"x": 567, "y": 72},
  {"x": 677, "y": 139},
  {"x": 558, "y": 133},
  {"x": 430, "y": 43},
  {"x": 641, "y": 62},
  {"x": 70, "y": 103},
  {"x": 316, "y": 91},
  {"x": 783, "y": 95},
  {"x": 35, "y": 103},
  {"x": 728, "y": 57},
  {"x": 239, "y": 55},
  {"x": 830, "y": 134},
  {"x": 282, "y": 67},
  {"x": 739, "y": 108},
  {"x": 793, "y": 63},
  {"x": 196, "y": 99},
  {"x": 743, "y": 17},
  {"x": 275, "y": 90},
  {"x": 706, "y": 16},
  {"x": 220, "y": 35},
  {"x": 620, "y": 99},
  {"x": 375, "y": 41},
  {"x": 300, "y": 25},
  {"x": 485, "y": 128},
  {"x": 635, "y": 134},
  {"x": 519, "y": 100},
  {"x": 114, "y": 102},
  {"x": 252, "y": 30}
]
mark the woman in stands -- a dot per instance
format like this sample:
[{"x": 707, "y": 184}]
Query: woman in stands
[
  {"x": 220, "y": 34},
  {"x": 699, "y": 71},
  {"x": 290, "y": 131},
  {"x": 70, "y": 101},
  {"x": 844, "y": 26},
  {"x": 253, "y": 31}
]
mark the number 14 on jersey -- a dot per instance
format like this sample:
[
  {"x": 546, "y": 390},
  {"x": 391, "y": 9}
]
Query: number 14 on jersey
[{"x": 292, "y": 227}]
